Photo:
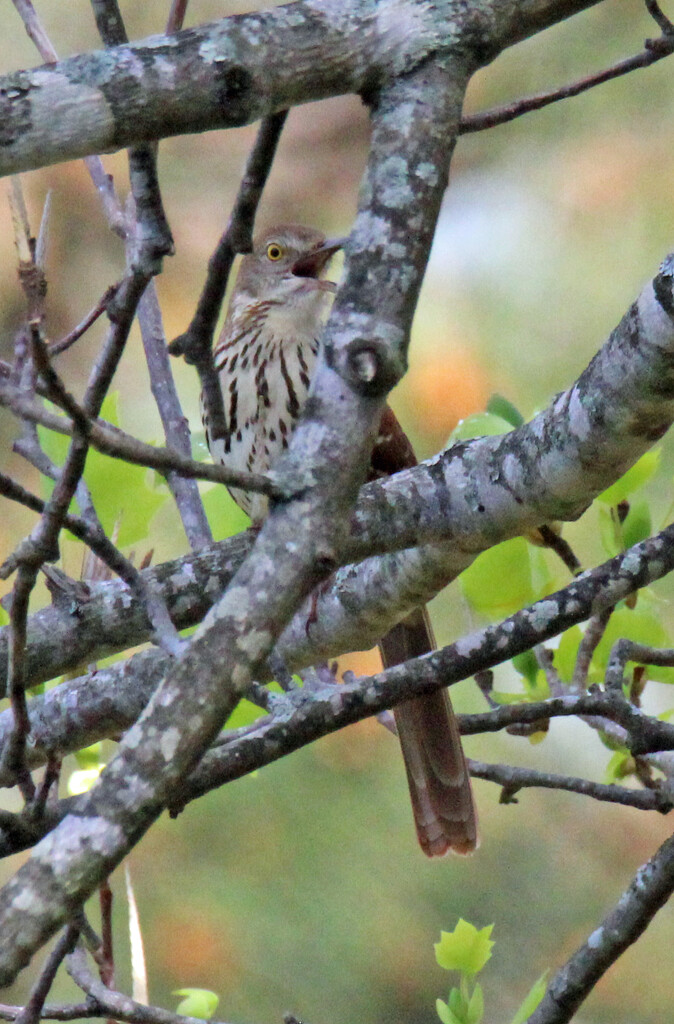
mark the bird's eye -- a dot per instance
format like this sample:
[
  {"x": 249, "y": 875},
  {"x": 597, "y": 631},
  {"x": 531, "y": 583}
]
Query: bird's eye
[{"x": 274, "y": 251}]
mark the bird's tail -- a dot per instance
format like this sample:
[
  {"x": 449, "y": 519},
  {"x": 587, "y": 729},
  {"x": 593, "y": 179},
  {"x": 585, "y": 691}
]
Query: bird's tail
[{"x": 437, "y": 773}]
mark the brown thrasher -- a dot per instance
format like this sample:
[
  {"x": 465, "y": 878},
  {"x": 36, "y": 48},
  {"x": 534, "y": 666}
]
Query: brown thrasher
[{"x": 265, "y": 356}]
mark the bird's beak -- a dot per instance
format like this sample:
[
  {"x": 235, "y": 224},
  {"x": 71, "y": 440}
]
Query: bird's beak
[{"x": 312, "y": 263}]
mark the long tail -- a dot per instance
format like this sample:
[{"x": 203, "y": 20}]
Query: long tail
[{"x": 437, "y": 774}]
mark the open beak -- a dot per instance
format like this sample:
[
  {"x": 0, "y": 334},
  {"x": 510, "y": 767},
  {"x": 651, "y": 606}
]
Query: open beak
[{"x": 312, "y": 263}]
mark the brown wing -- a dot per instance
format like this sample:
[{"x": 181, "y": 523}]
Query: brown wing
[{"x": 392, "y": 449}]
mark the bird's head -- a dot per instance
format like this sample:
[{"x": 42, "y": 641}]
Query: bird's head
[{"x": 287, "y": 263}]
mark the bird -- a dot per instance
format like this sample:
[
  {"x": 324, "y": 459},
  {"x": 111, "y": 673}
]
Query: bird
[{"x": 265, "y": 357}]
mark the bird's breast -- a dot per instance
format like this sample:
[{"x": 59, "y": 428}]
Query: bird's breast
[{"x": 265, "y": 374}]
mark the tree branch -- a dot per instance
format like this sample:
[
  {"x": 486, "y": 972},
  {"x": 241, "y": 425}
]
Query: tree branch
[
  {"x": 116, "y": 443},
  {"x": 654, "y": 50},
  {"x": 196, "y": 342},
  {"x": 116, "y": 1004},
  {"x": 648, "y": 892},
  {"x": 79, "y": 712},
  {"x": 513, "y": 779},
  {"x": 232, "y": 73},
  {"x": 32, "y": 1012}
]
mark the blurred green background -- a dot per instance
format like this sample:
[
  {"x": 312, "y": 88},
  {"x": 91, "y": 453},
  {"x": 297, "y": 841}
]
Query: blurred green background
[{"x": 302, "y": 888}]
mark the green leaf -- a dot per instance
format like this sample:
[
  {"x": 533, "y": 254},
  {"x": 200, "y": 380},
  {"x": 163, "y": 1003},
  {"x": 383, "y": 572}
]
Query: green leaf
[
  {"x": 245, "y": 713},
  {"x": 4, "y": 617},
  {"x": 619, "y": 767},
  {"x": 643, "y": 625},
  {"x": 505, "y": 578},
  {"x": 609, "y": 531},
  {"x": 637, "y": 525},
  {"x": 82, "y": 781},
  {"x": 611, "y": 742},
  {"x": 479, "y": 424},
  {"x": 465, "y": 949},
  {"x": 505, "y": 410},
  {"x": 616, "y": 536},
  {"x": 567, "y": 652},
  {"x": 445, "y": 1014},
  {"x": 475, "y": 1010},
  {"x": 639, "y": 474},
  {"x": 90, "y": 757},
  {"x": 121, "y": 493},
  {"x": 457, "y": 1002},
  {"x": 535, "y": 684},
  {"x": 503, "y": 697},
  {"x": 532, "y": 999},
  {"x": 526, "y": 665},
  {"x": 223, "y": 514},
  {"x": 198, "y": 1002}
]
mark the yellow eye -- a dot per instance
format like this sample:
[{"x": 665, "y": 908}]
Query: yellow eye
[{"x": 274, "y": 251}]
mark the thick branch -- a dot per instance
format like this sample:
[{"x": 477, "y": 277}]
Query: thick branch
[
  {"x": 484, "y": 491},
  {"x": 240, "y": 69}
]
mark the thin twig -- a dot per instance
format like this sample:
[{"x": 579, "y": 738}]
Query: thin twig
[
  {"x": 165, "y": 633},
  {"x": 655, "y": 50},
  {"x": 47, "y": 786},
  {"x": 102, "y": 181},
  {"x": 57, "y": 347},
  {"x": 56, "y": 389},
  {"x": 176, "y": 428},
  {"x": 34, "y": 285},
  {"x": 52, "y": 1011},
  {"x": 88, "y": 935},
  {"x": 561, "y": 548},
  {"x": 32, "y": 1011},
  {"x": 116, "y": 443},
  {"x": 196, "y": 343},
  {"x": 594, "y": 631},
  {"x": 115, "y": 1004},
  {"x": 109, "y": 22},
  {"x": 638, "y": 726},
  {"x": 658, "y": 15},
  {"x": 106, "y": 964},
  {"x": 625, "y": 650},
  {"x": 513, "y": 779},
  {"x": 149, "y": 241},
  {"x": 35, "y": 30},
  {"x": 43, "y": 234},
  {"x": 176, "y": 16},
  {"x": 13, "y": 754},
  {"x": 42, "y": 544},
  {"x": 546, "y": 662}
]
